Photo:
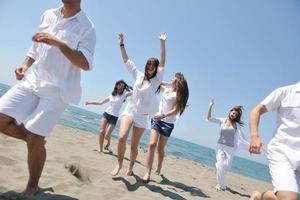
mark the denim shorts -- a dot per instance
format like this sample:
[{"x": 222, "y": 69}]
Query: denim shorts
[
  {"x": 110, "y": 118},
  {"x": 162, "y": 127}
]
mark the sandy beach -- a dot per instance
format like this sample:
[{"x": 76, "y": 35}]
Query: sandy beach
[{"x": 74, "y": 171}]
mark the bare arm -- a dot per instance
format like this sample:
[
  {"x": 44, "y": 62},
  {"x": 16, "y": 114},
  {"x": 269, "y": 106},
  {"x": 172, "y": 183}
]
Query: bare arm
[
  {"x": 128, "y": 94},
  {"x": 20, "y": 71},
  {"x": 211, "y": 103},
  {"x": 171, "y": 112},
  {"x": 122, "y": 47},
  {"x": 75, "y": 57},
  {"x": 97, "y": 102},
  {"x": 163, "y": 38},
  {"x": 256, "y": 143}
]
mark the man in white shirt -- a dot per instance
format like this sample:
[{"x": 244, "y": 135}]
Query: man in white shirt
[
  {"x": 284, "y": 147},
  {"x": 63, "y": 46}
]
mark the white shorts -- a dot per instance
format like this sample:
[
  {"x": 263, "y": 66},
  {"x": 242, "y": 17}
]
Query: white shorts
[
  {"x": 139, "y": 120},
  {"x": 284, "y": 177},
  {"x": 39, "y": 113}
]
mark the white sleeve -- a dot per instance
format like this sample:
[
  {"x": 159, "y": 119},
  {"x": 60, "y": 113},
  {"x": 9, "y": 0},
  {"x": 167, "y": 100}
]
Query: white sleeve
[
  {"x": 216, "y": 120},
  {"x": 87, "y": 45},
  {"x": 273, "y": 100},
  {"x": 132, "y": 68}
]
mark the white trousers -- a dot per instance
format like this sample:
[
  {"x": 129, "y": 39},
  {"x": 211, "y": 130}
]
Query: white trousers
[{"x": 224, "y": 157}]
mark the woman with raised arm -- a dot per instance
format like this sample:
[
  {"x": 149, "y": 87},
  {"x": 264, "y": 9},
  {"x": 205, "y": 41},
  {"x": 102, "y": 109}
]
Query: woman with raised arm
[
  {"x": 172, "y": 104},
  {"x": 231, "y": 138},
  {"x": 111, "y": 114},
  {"x": 143, "y": 103}
]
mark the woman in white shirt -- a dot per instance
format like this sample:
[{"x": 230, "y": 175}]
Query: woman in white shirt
[
  {"x": 231, "y": 138},
  {"x": 143, "y": 102},
  {"x": 111, "y": 114},
  {"x": 172, "y": 104}
]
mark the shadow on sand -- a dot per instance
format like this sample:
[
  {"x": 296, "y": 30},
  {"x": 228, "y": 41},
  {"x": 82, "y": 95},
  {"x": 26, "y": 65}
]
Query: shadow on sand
[
  {"x": 43, "y": 193},
  {"x": 167, "y": 193}
]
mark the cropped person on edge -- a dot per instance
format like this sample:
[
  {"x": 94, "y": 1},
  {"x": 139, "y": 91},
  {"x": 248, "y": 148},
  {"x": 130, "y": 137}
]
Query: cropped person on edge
[
  {"x": 284, "y": 148},
  {"x": 63, "y": 46}
]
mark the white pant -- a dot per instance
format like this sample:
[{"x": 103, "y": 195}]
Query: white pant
[
  {"x": 224, "y": 157},
  {"x": 284, "y": 177},
  {"x": 38, "y": 112}
]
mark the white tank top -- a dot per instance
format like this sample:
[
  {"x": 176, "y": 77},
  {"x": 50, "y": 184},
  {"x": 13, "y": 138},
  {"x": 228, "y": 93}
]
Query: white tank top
[{"x": 166, "y": 104}]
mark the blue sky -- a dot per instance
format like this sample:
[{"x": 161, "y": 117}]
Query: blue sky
[{"x": 233, "y": 51}]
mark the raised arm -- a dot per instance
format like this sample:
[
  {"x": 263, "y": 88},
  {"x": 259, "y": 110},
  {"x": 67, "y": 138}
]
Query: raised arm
[
  {"x": 163, "y": 38},
  {"x": 210, "y": 105},
  {"x": 256, "y": 143},
  {"x": 103, "y": 101},
  {"x": 122, "y": 47}
]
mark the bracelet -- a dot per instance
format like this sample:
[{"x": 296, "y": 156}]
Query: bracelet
[
  {"x": 122, "y": 45},
  {"x": 163, "y": 116}
]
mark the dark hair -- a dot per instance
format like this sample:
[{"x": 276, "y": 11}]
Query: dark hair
[
  {"x": 126, "y": 87},
  {"x": 154, "y": 62},
  {"x": 239, "y": 110},
  {"x": 182, "y": 92}
]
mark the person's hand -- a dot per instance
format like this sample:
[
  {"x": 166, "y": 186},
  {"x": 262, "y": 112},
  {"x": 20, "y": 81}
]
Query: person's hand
[
  {"x": 159, "y": 117},
  {"x": 211, "y": 103},
  {"x": 47, "y": 39},
  {"x": 163, "y": 36},
  {"x": 255, "y": 145},
  {"x": 121, "y": 38},
  {"x": 20, "y": 72}
]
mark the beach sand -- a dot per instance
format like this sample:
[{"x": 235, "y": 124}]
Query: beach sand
[{"x": 74, "y": 171}]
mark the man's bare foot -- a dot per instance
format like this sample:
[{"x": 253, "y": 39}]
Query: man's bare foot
[
  {"x": 29, "y": 192},
  {"x": 146, "y": 178},
  {"x": 115, "y": 172}
]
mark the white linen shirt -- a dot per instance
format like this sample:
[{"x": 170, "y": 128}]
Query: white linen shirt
[
  {"x": 286, "y": 139},
  {"x": 144, "y": 101},
  {"x": 115, "y": 104},
  {"x": 51, "y": 68},
  {"x": 166, "y": 104}
]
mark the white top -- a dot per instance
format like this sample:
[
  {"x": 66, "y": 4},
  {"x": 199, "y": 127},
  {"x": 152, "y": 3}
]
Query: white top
[
  {"x": 51, "y": 68},
  {"x": 236, "y": 142},
  {"x": 115, "y": 104},
  {"x": 166, "y": 104},
  {"x": 144, "y": 100},
  {"x": 286, "y": 139}
]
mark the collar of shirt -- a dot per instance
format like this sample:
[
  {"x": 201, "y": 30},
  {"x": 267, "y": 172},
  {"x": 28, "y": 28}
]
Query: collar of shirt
[{"x": 78, "y": 16}]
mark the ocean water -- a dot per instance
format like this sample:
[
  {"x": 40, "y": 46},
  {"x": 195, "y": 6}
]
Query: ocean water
[{"x": 89, "y": 121}]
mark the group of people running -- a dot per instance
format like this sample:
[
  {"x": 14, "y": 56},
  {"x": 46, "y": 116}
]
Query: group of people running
[
  {"x": 49, "y": 78},
  {"x": 142, "y": 106}
]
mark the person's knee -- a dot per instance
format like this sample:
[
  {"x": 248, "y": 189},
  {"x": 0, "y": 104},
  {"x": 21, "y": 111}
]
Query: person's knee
[
  {"x": 161, "y": 150},
  {"x": 35, "y": 141},
  {"x": 152, "y": 146},
  {"x": 102, "y": 131},
  {"x": 133, "y": 149}
]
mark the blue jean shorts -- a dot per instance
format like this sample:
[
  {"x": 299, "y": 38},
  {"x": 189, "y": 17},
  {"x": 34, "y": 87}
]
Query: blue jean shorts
[
  {"x": 162, "y": 127},
  {"x": 110, "y": 118}
]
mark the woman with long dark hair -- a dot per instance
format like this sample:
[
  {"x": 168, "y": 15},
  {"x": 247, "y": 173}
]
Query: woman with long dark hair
[
  {"x": 231, "y": 138},
  {"x": 143, "y": 104},
  {"x": 110, "y": 117},
  {"x": 172, "y": 104}
]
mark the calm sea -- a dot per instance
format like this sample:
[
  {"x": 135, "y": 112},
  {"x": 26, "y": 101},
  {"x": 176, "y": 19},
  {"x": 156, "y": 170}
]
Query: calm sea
[{"x": 89, "y": 121}]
